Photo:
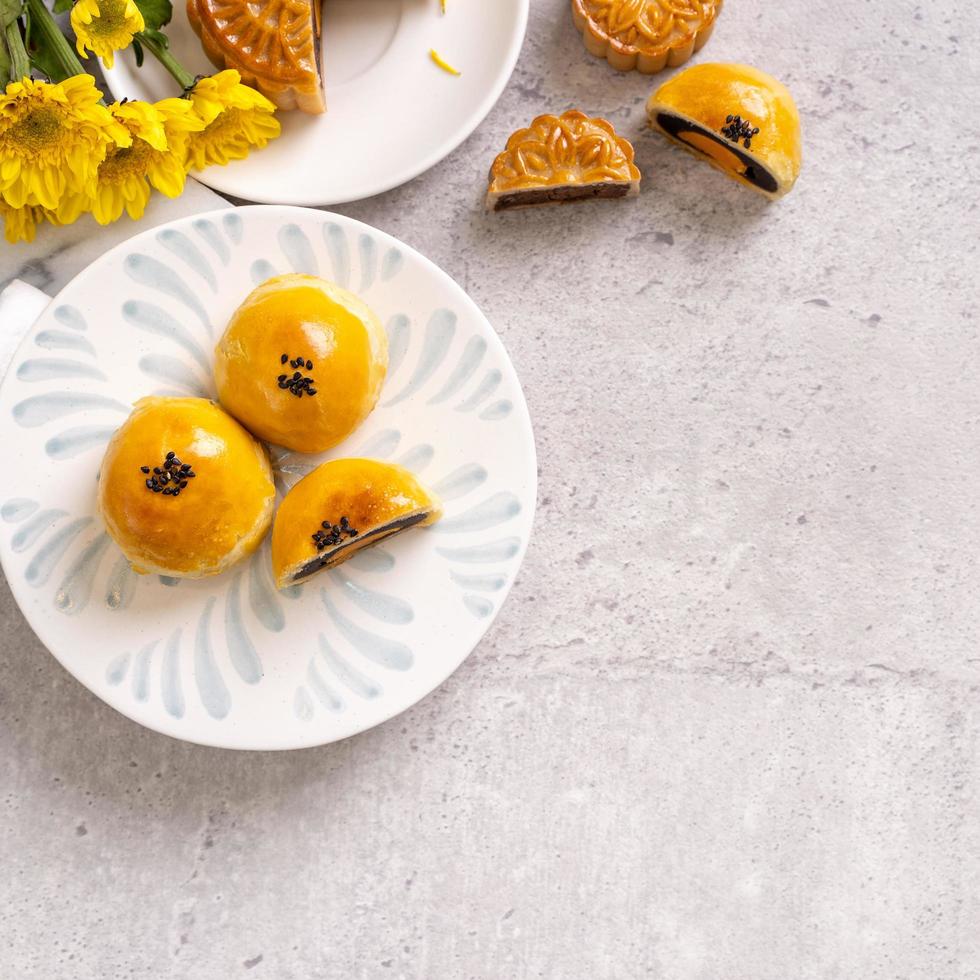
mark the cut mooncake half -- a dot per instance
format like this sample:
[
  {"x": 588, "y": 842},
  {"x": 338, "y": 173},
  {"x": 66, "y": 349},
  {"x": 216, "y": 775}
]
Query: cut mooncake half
[
  {"x": 274, "y": 46},
  {"x": 737, "y": 118},
  {"x": 645, "y": 35},
  {"x": 342, "y": 507},
  {"x": 557, "y": 159}
]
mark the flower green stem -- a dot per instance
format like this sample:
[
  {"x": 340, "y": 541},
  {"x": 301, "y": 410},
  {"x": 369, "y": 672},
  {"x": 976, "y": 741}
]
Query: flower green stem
[
  {"x": 45, "y": 28},
  {"x": 18, "y": 64},
  {"x": 163, "y": 54}
]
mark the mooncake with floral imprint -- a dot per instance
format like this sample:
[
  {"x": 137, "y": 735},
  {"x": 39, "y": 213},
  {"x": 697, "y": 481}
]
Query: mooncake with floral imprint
[
  {"x": 274, "y": 46},
  {"x": 557, "y": 159},
  {"x": 645, "y": 35}
]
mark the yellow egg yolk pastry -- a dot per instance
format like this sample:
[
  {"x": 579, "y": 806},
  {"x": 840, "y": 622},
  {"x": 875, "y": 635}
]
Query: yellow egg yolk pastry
[
  {"x": 273, "y": 45},
  {"x": 570, "y": 157},
  {"x": 184, "y": 489},
  {"x": 301, "y": 363},
  {"x": 739, "y": 119},
  {"x": 646, "y": 35},
  {"x": 341, "y": 507}
]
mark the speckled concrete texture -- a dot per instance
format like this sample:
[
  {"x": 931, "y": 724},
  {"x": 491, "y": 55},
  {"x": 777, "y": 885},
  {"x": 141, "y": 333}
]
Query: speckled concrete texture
[{"x": 727, "y": 727}]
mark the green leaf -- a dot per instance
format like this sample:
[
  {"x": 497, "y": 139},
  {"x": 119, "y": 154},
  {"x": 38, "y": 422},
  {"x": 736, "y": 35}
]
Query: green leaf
[
  {"x": 43, "y": 60},
  {"x": 63, "y": 6},
  {"x": 156, "y": 13},
  {"x": 47, "y": 47},
  {"x": 10, "y": 10},
  {"x": 138, "y": 53}
]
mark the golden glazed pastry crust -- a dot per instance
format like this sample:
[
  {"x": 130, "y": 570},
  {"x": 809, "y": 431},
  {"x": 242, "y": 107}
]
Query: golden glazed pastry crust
[
  {"x": 374, "y": 499},
  {"x": 645, "y": 35},
  {"x": 562, "y": 158},
  {"x": 329, "y": 328},
  {"x": 737, "y": 118},
  {"x": 217, "y": 519},
  {"x": 273, "y": 44}
]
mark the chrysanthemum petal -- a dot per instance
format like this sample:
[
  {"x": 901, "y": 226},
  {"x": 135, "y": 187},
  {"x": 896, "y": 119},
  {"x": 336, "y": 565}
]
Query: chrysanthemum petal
[
  {"x": 52, "y": 139},
  {"x": 105, "y": 26},
  {"x": 238, "y": 119}
]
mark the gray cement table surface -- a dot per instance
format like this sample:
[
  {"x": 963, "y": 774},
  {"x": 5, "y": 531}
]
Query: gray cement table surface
[{"x": 727, "y": 725}]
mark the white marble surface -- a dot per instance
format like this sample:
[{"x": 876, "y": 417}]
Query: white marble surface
[
  {"x": 727, "y": 727},
  {"x": 57, "y": 255}
]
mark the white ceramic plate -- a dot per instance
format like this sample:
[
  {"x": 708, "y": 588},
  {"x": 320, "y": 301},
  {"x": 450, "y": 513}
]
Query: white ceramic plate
[
  {"x": 391, "y": 112},
  {"x": 229, "y": 661}
]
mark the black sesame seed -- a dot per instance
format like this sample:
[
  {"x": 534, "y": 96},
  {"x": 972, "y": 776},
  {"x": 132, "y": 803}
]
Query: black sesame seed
[{"x": 170, "y": 477}]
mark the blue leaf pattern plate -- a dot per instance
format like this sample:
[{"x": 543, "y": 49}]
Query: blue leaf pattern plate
[{"x": 230, "y": 661}]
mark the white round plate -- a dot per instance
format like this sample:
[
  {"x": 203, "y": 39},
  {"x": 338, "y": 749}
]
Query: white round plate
[
  {"x": 229, "y": 661},
  {"x": 391, "y": 112}
]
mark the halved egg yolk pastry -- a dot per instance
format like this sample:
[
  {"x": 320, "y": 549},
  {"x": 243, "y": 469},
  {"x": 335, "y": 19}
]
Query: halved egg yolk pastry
[
  {"x": 737, "y": 118},
  {"x": 301, "y": 363},
  {"x": 341, "y": 507},
  {"x": 184, "y": 489},
  {"x": 571, "y": 157}
]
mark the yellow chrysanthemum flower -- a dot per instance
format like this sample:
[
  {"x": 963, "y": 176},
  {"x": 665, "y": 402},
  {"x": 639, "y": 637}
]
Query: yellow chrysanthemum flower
[
  {"x": 52, "y": 140},
  {"x": 237, "y": 119},
  {"x": 155, "y": 158},
  {"x": 20, "y": 224},
  {"x": 180, "y": 123},
  {"x": 105, "y": 26}
]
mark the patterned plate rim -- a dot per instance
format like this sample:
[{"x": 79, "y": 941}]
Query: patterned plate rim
[{"x": 47, "y": 635}]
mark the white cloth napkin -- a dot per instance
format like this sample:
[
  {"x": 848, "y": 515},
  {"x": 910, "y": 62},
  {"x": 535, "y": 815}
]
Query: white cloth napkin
[{"x": 20, "y": 305}]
